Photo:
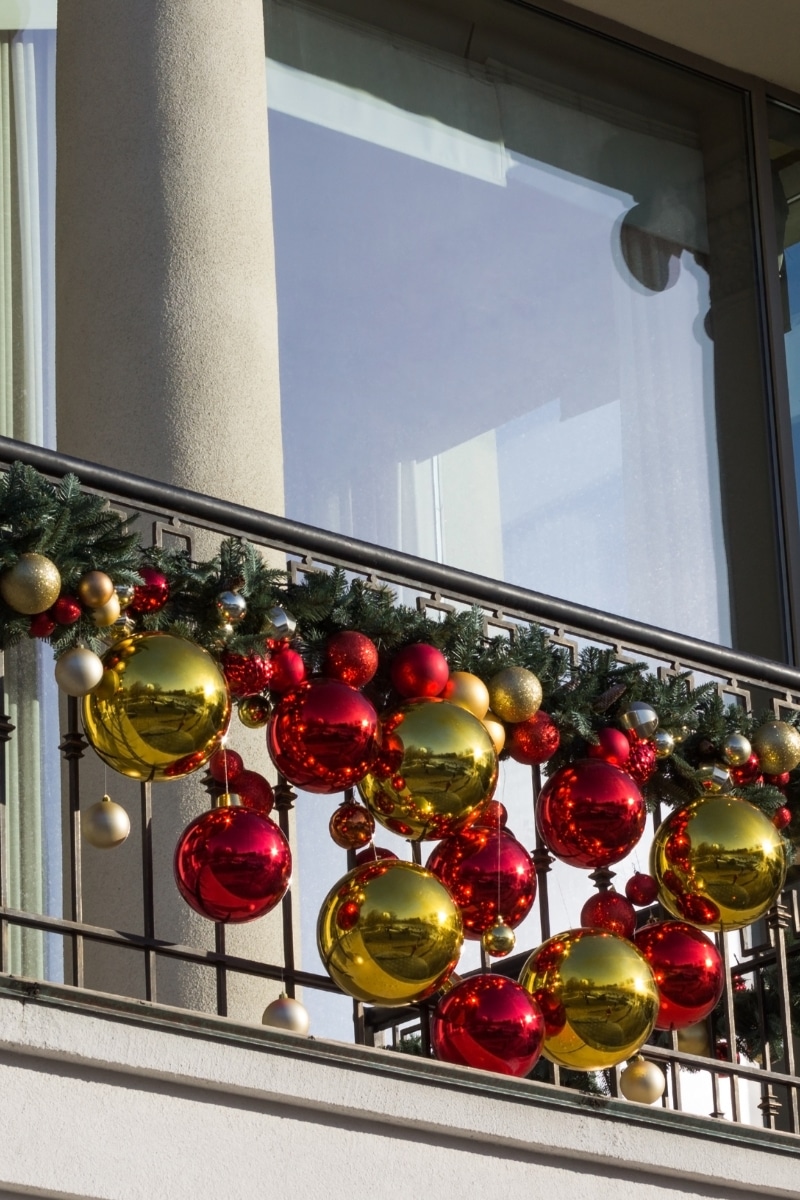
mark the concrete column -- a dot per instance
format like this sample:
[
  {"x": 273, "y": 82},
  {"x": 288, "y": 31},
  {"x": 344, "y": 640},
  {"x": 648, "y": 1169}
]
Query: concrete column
[{"x": 167, "y": 357}]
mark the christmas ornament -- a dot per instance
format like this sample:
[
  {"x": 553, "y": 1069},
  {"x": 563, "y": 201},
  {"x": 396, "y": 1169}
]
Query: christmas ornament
[
  {"x": 714, "y": 778},
  {"x": 492, "y": 815},
  {"x": 41, "y": 626},
  {"x": 351, "y": 825},
  {"x": 31, "y": 585},
  {"x": 105, "y": 825},
  {"x": 442, "y": 768},
  {"x": 161, "y": 708},
  {"x": 641, "y": 764},
  {"x": 664, "y": 743},
  {"x": 246, "y": 674},
  {"x": 597, "y": 995},
  {"x": 152, "y": 593},
  {"x": 123, "y": 627},
  {"x": 534, "y": 741},
  {"x": 779, "y": 781},
  {"x": 373, "y": 854},
  {"x": 469, "y": 692},
  {"x": 232, "y": 864},
  {"x": 687, "y": 969},
  {"x": 323, "y": 736},
  {"x": 286, "y": 1013},
  {"x": 66, "y": 610},
  {"x": 288, "y": 671},
  {"x": 351, "y": 657},
  {"x": 590, "y": 813},
  {"x": 225, "y": 766},
  {"x": 254, "y": 712},
  {"x": 681, "y": 733},
  {"x": 748, "y": 773},
  {"x": 389, "y": 933},
  {"x": 736, "y": 749},
  {"x": 609, "y": 910},
  {"x": 642, "y": 1081},
  {"x": 419, "y": 671},
  {"x": 514, "y": 694},
  {"x": 106, "y": 614},
  {"x": 640, "y": 718},
  {"x": 279, "y": 624},
  {"x": 777, "y": 746},
  {"x": 124, "y": 594},
  {"x": 488, "y": 1022},
  {"x": 254, "y": 791},
  {"x": 231, "y": 608},
  {"x": 781, "y": 818},
  {"x": 78, "y": 671},
  {"x": 641, "y": 889},
  {"x": 719, "y": 862},
  {"x": 499, "y": 940},
  {"x": 496, "y": 730},
  {"x": 612, "y": 746},
  {"x": 490, "y": 876},
  {"x": 95, "y": 589},
  {"x": 694, "y": 1039}
]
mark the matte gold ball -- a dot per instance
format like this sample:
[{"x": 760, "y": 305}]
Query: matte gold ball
[
  {"x": 95, "y": 589},
  {"x": 777, "y": 746},
  {"x": 286, "y": 1013},
  {"x": 499, "y": 940},
  {"x": 736, "y": 749},
  {"x": 105, "y": 825},
  {"x": 515, "y": 694},
  {"x": 642, "y": 1081},
  {"x": 468, "y": 691},
  {"x": 496, "y": 730},
  {"x": 31, "y": 585},
  {"x": 78, "y": 671},
  {"x": 106, "y": 614}
]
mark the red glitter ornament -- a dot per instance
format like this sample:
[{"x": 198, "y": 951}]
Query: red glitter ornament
[
  {"x": 612, "y": 746},
  {"x": 351, "y": 657},
  {"x": 642, "y": 761},
  {"x": 641, "y": 889},
  {"x": 288, "y": 671},
  {"x": 373, "y": 854},
  {"x": 351, "y": 826},
  {"x": 232, "y": 864},
  {"x": 323, "y": 736},
  {"x": 687, "y": 969},
  {"x": 152, "y": 593},
  {"x": 535, "y": 740},
  {"x": 489, "y": 874},
  {"x": 225, "y": 766},
  {"x": 419, "y": 670},
  {"x": 609, "y": 910},
  {"x": 488, "y": 1022},
  {"x": 254, "y": 791},
  {"x": 590, "y": 814},
  {"x": 41, "y": 626},
  {"x": 748, "y": 773},
  {"x": 246, "y": 674},
  {"x": 781, "y": 818},
  {"x": 66, "y": 610}
]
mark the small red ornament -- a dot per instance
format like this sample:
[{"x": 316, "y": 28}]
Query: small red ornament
[
  {"x": 323, "y": 736},
  {"x": 642, "y": 761},
  {"x": 41, "y": 626},
  {"x": 612, "y": 746},
  {"x": 782, "y": 818},
  {"x": 373, "y": 854},
  {"x": 419, "y": 670},
  {"x": 351, "y": 657},
  {"x": 246, "y": 674},
  {"x": 66, "y": 610},
  {"x": 488, "y": 1022},
  {"x": 590, "y": 813},
  {"x": 535, "y": 740},
  {"x": 288, "y": 671},
  {"x": 232, "y": 864},
  {"x": 351, "y": 825},
  {"x": 687, "y": 969},
  {"x": 493, "y": 815},
  {"x": 225, "y": 766},
  {"x": 489, "y": 874},
  {"x": 748, "y": 773},
  {"x": 641, "y": 889},
  {"x": 779, "y": 781},
  {"x": 254, "y": 791},
  {"x": 152, "y": 593},
  {"x": 609, "y": 910}
]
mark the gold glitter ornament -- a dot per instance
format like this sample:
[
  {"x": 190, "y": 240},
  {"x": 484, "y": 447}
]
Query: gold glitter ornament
[
  {"x": 777, "y": 746},
  {"x": 515, "y": 694},
  {"x": 32, "y": 585}
]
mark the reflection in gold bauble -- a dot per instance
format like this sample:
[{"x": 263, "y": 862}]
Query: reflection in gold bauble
[
  {"x": 437, "y": 767},
  {"x": 496, "y": 730},
  {"x": 515, "y": 694},
  {"x": 719, "y": 862},
  {"x": 777, "y": 746},
  {"x": 389, "y": 933},
  {"x": 161, "y": 709},
  {"x": 468, "y": 691},
  {"x": 642, "y": 1081},
  {"x": 31, "y": 585},
  {"x": 598, "y": 997}
]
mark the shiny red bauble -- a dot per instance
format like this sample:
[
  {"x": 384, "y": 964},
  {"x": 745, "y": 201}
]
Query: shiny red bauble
[
  {"x": 748, "y": 773},
  {"x": 323, "y": 736},
  {"x": 254, "y": 791},
  {"x": 609, "y": 910},
  {"x": 232, "y": 864},
  {"x": 489, "y": 874},
  {"x": 152, "y": 593},
  {"x": 41, "y": 626},
  {"x": 687, "y": 969},
  {"x": 641, "y": 889},
  {"x": 779, "y": 781},
  {"x": 225, "y": 765},
  {"x": 373, "y": 854},
  {"x": 351, "y": 657},
  {"x": 288, "y": 671},
  {"x": 782, "y": 818},
  {"x": 351, "y": 825},
  {"x": 642, "y": 761},
  {"x": 419, "y": 670},
  {"x": 533, "y": 741},
  {"x": 66, "y": 610},
  {"x": 246, "y": 674},
  {"x": 590, "y": 813},
  {"x": 488, "y": 1022},
  {"x": 612, "y": 746}
]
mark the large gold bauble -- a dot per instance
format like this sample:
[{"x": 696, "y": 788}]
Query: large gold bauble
[
  {"x": 437, "y": 767},
  {"x": 720, "y": 863},
  {"x": 468, "y": 691},
  {"x": 515, "y": 694},
  {"x": 95, "y": 589},
  {"x": 389, "y": 933},
  {"x": 161, "y": 709},
  {"x": 597, "y": 995},
  {"x": 32, "y": 585},
  {"x": 777, "y": 746}
]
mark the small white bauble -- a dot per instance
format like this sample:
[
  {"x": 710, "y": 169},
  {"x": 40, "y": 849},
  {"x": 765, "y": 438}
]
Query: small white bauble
[
  {"x": 288, "y": 1014},
  {"x": 78, "y": 671},
  {"x": 106, "y": 824}
]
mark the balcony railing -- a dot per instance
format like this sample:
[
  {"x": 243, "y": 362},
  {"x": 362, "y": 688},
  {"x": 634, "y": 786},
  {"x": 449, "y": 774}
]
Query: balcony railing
[{"x": 759, "y": 1091}]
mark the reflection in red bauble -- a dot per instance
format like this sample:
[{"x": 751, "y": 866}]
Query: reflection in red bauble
[
  {"x": 612, "y": 746},
  {"x": 609, "y": 910},
  {"x": 641, "y": 889},
  {"x": 288, "y": 670},
  {"x": 590, "y": 813},
  {"x": 687, "y": 969},
  {"x": 232, "y": 864},
  {"x": 246, "y": 674},
  {"x": 419, "y": 670},
  {"x": 351, "y": 657},
  {"x": 488, "y": 1022},
  {"x": 533, "y": 741},
  {"x": 351, "y": 825},
  {"x": 323, "y": 736},
  {"x": 489, "y": 874},
  {"x": 152, "y": 593},
  {"x": 373, "y": 854},
  {"x": 225, "y": 765},
  {"x": 254, "y": 791}
]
